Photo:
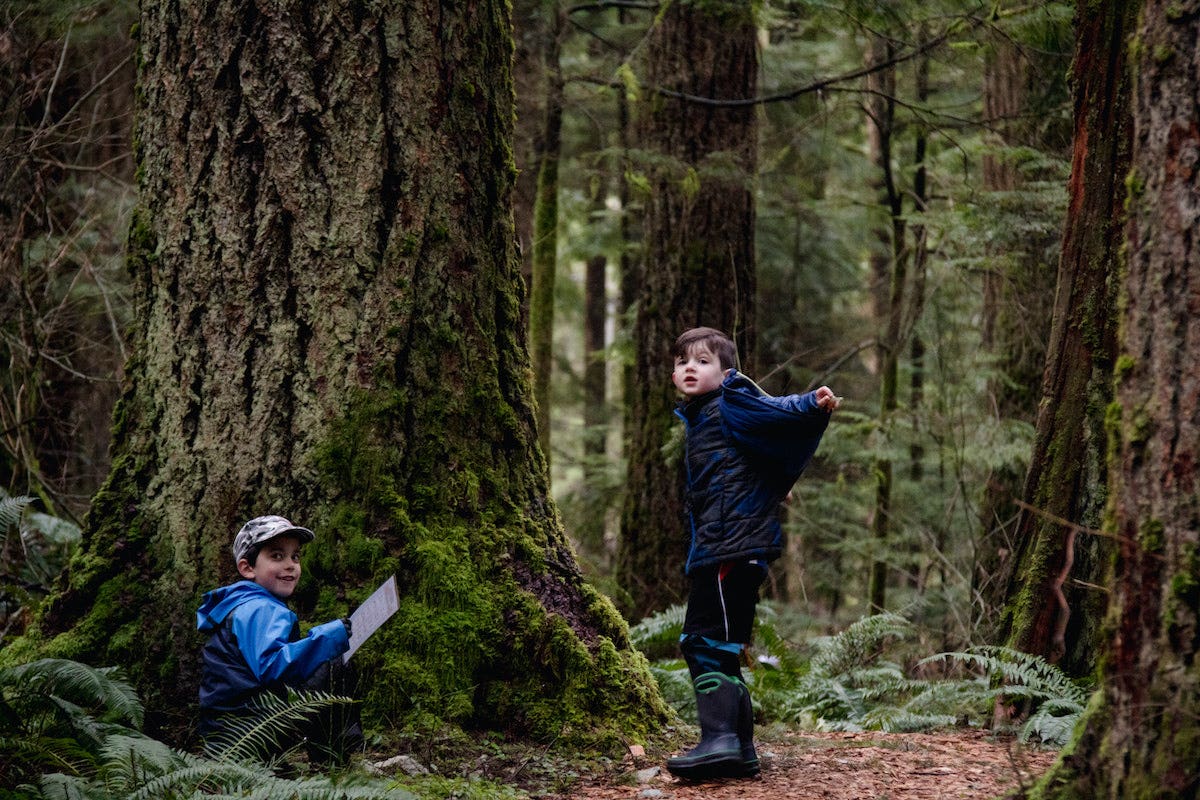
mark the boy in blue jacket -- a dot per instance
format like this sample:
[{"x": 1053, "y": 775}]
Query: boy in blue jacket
[
  {"x": 254, "y": 644},
  {"x": 745, "y": 449}
]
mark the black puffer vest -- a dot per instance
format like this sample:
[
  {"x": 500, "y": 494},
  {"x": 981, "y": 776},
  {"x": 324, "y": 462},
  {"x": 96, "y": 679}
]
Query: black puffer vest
[{"x": 745, "y": 449}]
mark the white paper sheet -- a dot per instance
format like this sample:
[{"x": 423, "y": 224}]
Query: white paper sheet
[{"x": 375, "y": 611}]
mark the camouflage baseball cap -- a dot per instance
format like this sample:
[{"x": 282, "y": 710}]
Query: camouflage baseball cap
[{"x": 260, "y": 529}]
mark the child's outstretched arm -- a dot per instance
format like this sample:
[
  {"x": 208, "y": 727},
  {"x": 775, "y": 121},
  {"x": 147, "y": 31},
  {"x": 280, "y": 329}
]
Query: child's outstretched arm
[{"x": 262, "y": 633}]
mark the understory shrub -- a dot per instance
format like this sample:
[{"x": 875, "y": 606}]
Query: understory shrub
[{"x": 855, "y": 680}]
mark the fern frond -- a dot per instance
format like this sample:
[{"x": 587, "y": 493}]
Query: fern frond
[
  {"x": 659, "y": 633},
  {"x": 899, "y": 720},
  {"x": 270, "y": 721},
  {"x": 1053, "y": 722},
  {"x": 69, "y": 787},
  {"x": 71, "y": 684},
  {"x": 130, "y": 760},
  {"x": 859, "y": 644},
  {"x": 675, "y": 685},
  {"x": 11, "y": 509},
  {"x": 1021, "y": 674},
  {"x": 186, "y": 780},
  {"x": 45, "y": 754}
]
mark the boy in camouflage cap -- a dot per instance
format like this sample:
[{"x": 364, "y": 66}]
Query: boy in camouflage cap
[{"x": 254, "y": 644}]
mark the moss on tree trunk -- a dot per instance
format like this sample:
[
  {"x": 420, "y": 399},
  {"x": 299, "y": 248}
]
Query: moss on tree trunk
[{"x": 329, "y": 328}]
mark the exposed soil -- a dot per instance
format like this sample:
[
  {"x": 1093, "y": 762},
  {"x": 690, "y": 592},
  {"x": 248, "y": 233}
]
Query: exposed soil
[{"x": 841, "y": 766}]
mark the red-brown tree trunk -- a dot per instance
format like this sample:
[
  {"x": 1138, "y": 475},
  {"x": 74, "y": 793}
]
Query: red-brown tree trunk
[
  {"x": 1139, "y": 739},
  {"x": 1053, "y": 604}
]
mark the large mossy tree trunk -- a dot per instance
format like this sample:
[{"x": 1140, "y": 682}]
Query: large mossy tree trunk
[
  {"x": 697, "y": 261},
  {"x": 1140, "y": 737},
  {"x": 329, "y": 328},
  {"x": 1052, "y": 604}
]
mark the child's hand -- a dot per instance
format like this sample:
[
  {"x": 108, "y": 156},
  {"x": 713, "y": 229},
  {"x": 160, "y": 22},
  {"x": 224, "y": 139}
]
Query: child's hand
[{"x": 827, "y": 400}]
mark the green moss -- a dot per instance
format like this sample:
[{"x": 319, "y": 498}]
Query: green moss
[
  {"x": 689, "y": 185},
  {"x": 1135, "y": 187},
  {"x": 1123, "y": 367},
  {"x": 1150, "y": 536},
  {"x": 1184, "y": 587}
]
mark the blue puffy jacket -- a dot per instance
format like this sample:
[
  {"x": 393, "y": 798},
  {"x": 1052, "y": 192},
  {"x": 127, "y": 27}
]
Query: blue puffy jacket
[
  {"x": 745, "y": 449},
  {"x": 255, "y": 645}
]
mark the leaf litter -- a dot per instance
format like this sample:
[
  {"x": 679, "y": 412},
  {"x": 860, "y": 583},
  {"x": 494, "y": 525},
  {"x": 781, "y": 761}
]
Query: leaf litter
[{"x": 840, "y": 766}]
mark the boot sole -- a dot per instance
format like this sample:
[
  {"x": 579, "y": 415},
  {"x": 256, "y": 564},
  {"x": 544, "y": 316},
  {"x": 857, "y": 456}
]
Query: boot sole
[{"x": 712, "y": 765}]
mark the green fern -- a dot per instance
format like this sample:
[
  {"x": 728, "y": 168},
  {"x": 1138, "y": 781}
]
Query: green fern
[
  {"x": 1053, "y": 722},
  {"x": 36, "y": 548},
  {"x": 39, "y": 687},
  {"x": 130, "y": 766},
  {"x": 657, "y": 636},
  {"x": 11, "y": 509},
  {"x": 1058, "y": 701},
  {"x": 271, "y": 724},
  {"x": 859, "y": 645}
]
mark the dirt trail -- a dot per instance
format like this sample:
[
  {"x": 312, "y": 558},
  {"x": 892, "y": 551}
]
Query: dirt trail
[{"x": 845, "y": 766}]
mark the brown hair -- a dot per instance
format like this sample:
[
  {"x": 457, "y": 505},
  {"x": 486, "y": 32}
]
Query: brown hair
[{"x": 712, "y": 339}]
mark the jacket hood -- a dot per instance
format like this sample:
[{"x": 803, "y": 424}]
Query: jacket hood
[{"x": 218, "y": 603}]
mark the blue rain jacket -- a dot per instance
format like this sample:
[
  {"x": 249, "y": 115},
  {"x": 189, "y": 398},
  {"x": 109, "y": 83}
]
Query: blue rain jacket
[
  {"x": 255, "y": 645},
  {"x": 745, "y": 449}
]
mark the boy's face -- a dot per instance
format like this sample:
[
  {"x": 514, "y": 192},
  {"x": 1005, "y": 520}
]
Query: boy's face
[
  {"x": 277, "y": 568},
  {"x": 697, "y": 373}
]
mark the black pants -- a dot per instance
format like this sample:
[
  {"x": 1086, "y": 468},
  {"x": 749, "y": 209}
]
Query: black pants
[{"x": 722, "y": 600}]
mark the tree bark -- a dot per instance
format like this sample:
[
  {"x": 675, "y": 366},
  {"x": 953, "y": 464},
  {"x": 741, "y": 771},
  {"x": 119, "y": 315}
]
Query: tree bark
[
  {"x": 329, "y": 328},
  {"x": 881, "y": 85},
  {"x": 1018, "y": 296},
  {"x": 1140, "y": 737},
  {"x": 591, "y": 527},
  {"x": 698, "y": 261},
  {"x": 545, "y": 232},
  {"x": 1053, "y": 604}
]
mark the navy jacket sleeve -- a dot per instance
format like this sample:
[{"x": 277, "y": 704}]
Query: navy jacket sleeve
[{"x": 782, "y": 430}]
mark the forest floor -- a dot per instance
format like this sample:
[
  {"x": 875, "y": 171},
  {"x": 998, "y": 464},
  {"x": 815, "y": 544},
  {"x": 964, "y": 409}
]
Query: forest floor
[
  {"x": 803, "y": 765},
  {"x": 841, "y": 766}
]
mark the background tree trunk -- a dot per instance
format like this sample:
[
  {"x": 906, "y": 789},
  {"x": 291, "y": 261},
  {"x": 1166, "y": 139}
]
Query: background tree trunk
[
  {"x": 329, "y": 328},
  {"x": 545, "y": 232},
  {"x": 1139, "y": 740},
  {"x": 881, "y": 86},
  {"x": 1053, "y": 607},
  {"x": 698, "y": 261},
  {"x": 1018, "y": 296}
]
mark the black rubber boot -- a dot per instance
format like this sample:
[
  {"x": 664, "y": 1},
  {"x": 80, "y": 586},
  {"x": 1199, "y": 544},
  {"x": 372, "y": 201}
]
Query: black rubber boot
[
  {"x": 745, "y": 731},
  {"x": 719, "y": 754}
]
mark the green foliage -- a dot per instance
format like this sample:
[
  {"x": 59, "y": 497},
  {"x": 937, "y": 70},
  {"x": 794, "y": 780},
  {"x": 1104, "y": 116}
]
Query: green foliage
[
  {"x": 658, "y": 634},
  {"x": 68, "y": 731},
  {"x": 271, "y": 723},
  {"x": 857, "y": 680},
  {"x": 34, "y": 549},
  {"x": 1057, "y": 701},
  {"x": 56, "y": 714}
]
